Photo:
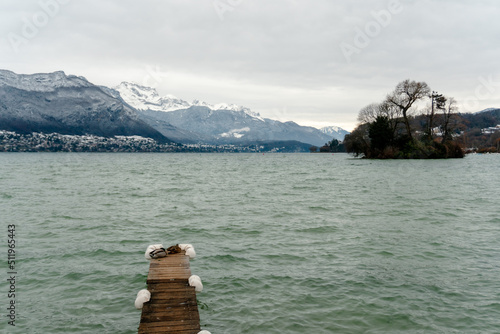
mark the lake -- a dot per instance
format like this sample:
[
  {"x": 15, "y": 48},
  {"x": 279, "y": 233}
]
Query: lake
[{"x": 286, "y": 243}]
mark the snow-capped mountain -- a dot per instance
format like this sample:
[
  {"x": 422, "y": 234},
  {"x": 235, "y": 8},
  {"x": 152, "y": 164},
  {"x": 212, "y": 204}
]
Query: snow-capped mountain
[
  {"x": 42, "y": 82},
  {"x": 66, "y": 104},
  {"x": 212, "y": 123},
  {"x": 335, "y": 132},
  {"x": 228, "y": 127},
  {"x": 486, "y": 110},
  {"x": 147, "y": 98}
]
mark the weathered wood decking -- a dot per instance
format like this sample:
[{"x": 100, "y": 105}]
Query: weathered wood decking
[{"x": 173, "y": 307}]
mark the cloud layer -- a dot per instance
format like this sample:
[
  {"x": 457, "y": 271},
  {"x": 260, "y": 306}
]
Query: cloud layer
[{"x": 315, "y": 62}]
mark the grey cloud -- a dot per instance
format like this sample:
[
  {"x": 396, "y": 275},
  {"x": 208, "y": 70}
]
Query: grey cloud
[{"x": 289, "y": 45}]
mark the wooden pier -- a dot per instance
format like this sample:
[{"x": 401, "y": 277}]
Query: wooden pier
[{"x": 173, "y": 307}]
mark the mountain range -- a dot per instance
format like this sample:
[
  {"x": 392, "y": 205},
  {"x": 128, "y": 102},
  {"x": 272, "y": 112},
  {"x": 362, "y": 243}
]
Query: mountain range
[
  {"x": 68, "y": 104},
  {"x": 57, "y": 103},
  {"x": 221, "y": 123}
]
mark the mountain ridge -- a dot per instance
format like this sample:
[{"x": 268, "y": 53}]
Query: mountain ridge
[
  {"x": 55, "y": 102},
  {"x": 147, "y": 98},
  {"x": 69, "y": 104},
  {"x": 335, "y": 132},
  {"x": 216, "y": 124}
]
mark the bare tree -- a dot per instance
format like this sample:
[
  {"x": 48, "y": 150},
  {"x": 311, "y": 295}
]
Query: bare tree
[
  {"x": 369, "y": 113},
  {"x": 404, "y": 96},
  {"x": 449, "y": 111}
]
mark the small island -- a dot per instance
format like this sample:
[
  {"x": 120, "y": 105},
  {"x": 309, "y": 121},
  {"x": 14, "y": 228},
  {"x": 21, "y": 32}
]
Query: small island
[{"x": 394, "y": 129}]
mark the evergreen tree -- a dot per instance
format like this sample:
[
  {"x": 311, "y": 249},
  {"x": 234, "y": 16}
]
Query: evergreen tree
[{"x": 380, "y": 133}]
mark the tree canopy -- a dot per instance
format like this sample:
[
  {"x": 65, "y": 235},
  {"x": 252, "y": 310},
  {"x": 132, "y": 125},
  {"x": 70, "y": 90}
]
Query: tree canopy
[{"x": 394, "y": 128}]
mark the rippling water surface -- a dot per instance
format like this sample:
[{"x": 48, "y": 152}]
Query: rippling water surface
[{"x": 297, "y": 243}]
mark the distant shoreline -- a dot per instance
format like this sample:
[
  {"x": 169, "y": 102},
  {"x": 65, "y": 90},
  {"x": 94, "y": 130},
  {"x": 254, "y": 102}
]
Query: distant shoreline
[{"x": 55, "y": 142}]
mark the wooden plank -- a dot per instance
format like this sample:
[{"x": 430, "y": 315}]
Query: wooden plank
[
  {"x": 172, "y": 286},
  {"x": 174, "y": 275},
  {"x": 163, "y": 280},
  {"x": 170, "y": 298},
  {"x": 169, "y": 325},
  {"x": 165, "y": 317},
  {"x": 186, "y": 324},
  {"x": 173, "y": 308},
  {"x": 161, "y": 265},
  {"x": 172, "y": 271},
  {"x": 158, "y": 330},
  {"x": 172, "y": 259}
]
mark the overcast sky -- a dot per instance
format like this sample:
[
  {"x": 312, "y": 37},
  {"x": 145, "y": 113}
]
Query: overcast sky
[{"x": 316, "y": 62}]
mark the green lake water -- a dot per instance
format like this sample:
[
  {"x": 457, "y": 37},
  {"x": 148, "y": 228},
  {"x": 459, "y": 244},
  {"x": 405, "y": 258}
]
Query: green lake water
[{"x": 286, "y": 243}]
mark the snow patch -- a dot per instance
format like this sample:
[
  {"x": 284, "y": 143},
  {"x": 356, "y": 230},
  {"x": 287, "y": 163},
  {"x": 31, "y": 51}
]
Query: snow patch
[
  {"x": 335, "y": 131},
  {"x": 42, "y": 82},
  {"x": 147, "y": 98},
  {"x": 235, "y": 133}
]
